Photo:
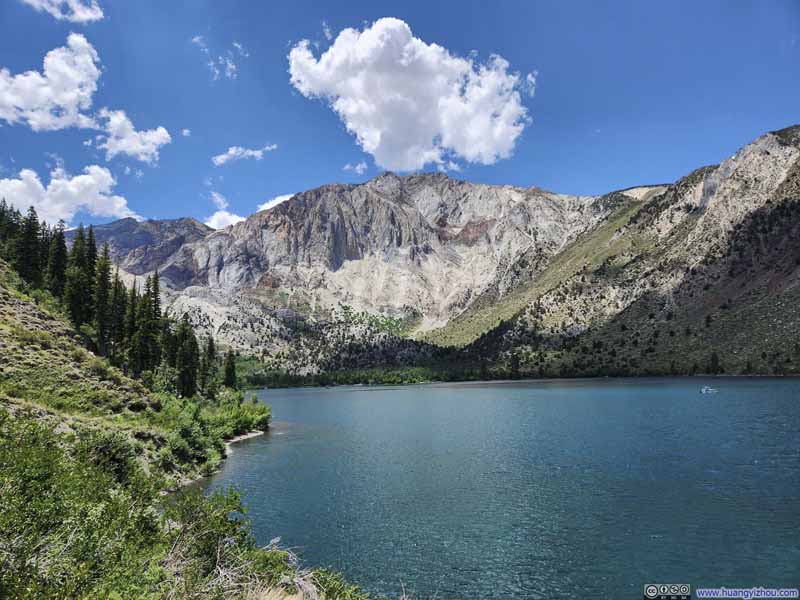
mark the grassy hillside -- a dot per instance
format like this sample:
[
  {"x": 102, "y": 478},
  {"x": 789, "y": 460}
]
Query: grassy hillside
[
  {"x": 46, "y": 369},
  {"x": 86, "y": 456}
]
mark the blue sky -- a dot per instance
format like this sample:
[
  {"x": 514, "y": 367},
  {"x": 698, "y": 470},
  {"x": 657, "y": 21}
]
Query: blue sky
[{"x": 625, "y": 93}]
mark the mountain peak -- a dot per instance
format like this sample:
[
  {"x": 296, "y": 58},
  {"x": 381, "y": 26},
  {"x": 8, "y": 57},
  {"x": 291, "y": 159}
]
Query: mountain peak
[
  {"x": 789, "y": 136},
  {"x": 386, "y": 182}
]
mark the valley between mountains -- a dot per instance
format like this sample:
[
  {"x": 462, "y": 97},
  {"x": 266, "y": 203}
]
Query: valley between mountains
[{"x": 418, "y": 277}]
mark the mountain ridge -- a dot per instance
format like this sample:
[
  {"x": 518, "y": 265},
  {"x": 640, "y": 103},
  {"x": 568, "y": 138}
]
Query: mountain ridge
[{"x": 451, "y": 261}]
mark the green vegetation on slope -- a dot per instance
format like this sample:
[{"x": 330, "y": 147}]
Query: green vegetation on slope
[
  {"x": 348, "y": 340},
  {"x": 82, "y": 519},
  {"x": 125, "y": 326},
  {"x": 256, "y": 377},
  {"x": 86, "y": 456},
  {"x": 44, "y": 366}
]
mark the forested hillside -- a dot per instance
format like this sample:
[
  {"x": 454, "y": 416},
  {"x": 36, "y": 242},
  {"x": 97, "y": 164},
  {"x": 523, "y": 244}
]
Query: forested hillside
[{"x": 99, "y": 418}]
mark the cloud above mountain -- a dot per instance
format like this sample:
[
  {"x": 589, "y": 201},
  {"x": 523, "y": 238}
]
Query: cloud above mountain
[
  {"x": 57, "y": 97},
  {"x": 221, "y": 218},
  {"x": 61, "y": 96},
  {"x": 123, "y": 138},
  {"x": 239, "y": 153},
  {"x": 274, "y": 201},
  {"x": 358, "y": 168},
  {"x": 410, "y": 103},
  {"x": 66, "y": 195}
]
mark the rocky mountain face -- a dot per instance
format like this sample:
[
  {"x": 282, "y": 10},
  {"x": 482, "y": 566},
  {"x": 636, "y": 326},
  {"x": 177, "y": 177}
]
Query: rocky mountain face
[
  {"x": 515, "y": 275},
  {"x": 143, "y": 246},
  {"x": 422, "y": 247},
  {"x": 702, "y": 277}
]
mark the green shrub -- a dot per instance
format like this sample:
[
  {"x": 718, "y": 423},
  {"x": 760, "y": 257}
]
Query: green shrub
[
  {"x": 67, "y": 525},
  {"x": 334, "y": 585},
  {"x": 46, "y": 300},
  {"x": 78, "y": 354},
  {"x": 43, "y": 339},
  {"x": 109, "y": 451},
  {"x": 98, "y": 367}
]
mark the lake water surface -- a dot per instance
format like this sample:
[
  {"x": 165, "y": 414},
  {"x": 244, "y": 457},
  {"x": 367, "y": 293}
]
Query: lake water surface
[{"x": 554, "y": 489}]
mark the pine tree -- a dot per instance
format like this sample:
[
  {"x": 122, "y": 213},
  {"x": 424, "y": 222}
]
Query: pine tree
[
  {"x": 45, "y": 237},
  {"x": 77, "y": 255},
  {"x": 155, "y": 300},
  {"x": 229, "y": 369},
  {"x": 91, "y": 254},
  {"x": 77, "y": 289},
  {"x": 211, "y": 350},
  {"x": 155, "y": 319},
  {"x": 714, "y": 366},
  {"x": 91, "y": 268},
  {"x": 119, "y": 300},
  {"x": 130, "y": 314},
  {"x": 187, "y": 359},
  {"x": 207, "y": 374},
  {"x": 143, "y": 340},
  {"x": 27, "y": 251},
  {"x": 169, "y": 344},
  {"x": 102, "y": 301},
  {"x": 57, "y": 262},
  {"x": 10, "y": 221},
  {"x": 131, "y": 327},
  {"x": 514, "y": 363},
  {"x": 203, "y": 375}
]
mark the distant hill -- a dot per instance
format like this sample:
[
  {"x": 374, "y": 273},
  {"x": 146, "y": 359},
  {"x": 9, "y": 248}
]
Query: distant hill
[{"x": 142, "y": 246}]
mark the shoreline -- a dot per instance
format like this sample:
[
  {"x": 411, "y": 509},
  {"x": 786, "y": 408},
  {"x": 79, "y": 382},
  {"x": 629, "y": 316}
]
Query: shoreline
[
  {"x": 181, "y": 484},
  {"x": 240, "y": 438},
  {"x": 434, "y": 382}
]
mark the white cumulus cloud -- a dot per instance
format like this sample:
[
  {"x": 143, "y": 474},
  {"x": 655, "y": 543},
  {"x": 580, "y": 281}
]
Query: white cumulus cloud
[
  {"x": 60, "y": 96},
  {"x": 221, "y": 218},
  {"x": 123, "y": 138},
  {"x": 186, "y": 132},
  {"x": 238, "y": 153},
  {"x": 410, "y": 103},
  {"x": 65, "y": 195},
  {"x": 75, "y": 11},
  {"x": 274, "y": 201},
  {"x": 359, "y": 168},
  {"x": 54, "y": 98}
]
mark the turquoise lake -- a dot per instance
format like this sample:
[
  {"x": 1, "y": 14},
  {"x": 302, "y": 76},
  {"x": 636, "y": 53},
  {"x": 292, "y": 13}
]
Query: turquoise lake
[{"x": 551, "y": 489}]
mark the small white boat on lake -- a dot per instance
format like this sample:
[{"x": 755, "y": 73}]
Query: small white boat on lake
[{"x": 707, "y": 389}]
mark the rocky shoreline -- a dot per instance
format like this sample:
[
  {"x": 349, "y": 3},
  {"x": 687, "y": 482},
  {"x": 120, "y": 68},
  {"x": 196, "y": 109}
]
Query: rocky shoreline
[{"x": 240, "y": 438}]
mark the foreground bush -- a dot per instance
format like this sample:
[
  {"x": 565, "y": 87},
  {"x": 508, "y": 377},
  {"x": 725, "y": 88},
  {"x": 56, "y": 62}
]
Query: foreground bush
[{"x": 81, "y": 519}]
